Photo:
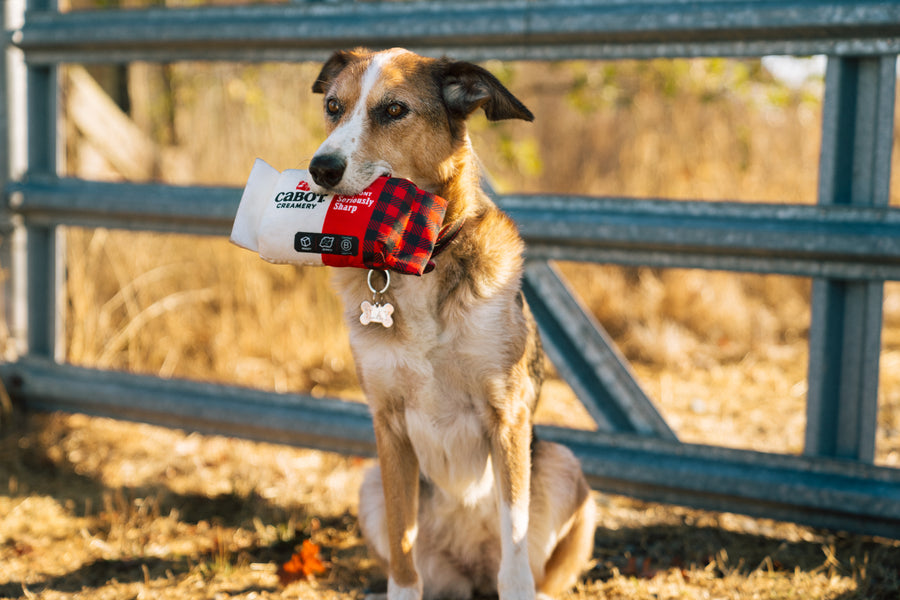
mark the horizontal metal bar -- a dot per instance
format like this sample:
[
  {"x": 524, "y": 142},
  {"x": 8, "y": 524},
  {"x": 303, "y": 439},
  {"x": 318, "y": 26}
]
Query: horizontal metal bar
[
  {"x": 325, "y": 424},
  {"x": 848, "y": 242},
  {"x": 515, "y": 29},
  {"x": 836, "y": 494},
  {"x": 814, "y": 241},
  {"x": 156, "y": 207},
  {"x": 842, "y": 495}
]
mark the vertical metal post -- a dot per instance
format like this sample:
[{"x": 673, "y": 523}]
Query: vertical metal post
[
  {"x": 12, "y": 166},
  {"x": 845, "y": 332},
  {"x": 45, "y": 246},
  {"x": 6, "y": 224},
  {"x": 40, "y": 278}
]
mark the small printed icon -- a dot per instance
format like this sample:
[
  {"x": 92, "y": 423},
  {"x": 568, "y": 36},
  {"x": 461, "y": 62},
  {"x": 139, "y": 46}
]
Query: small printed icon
[
  {"x": 312, "y": 241},
  {"x": 302, "y": 186}
]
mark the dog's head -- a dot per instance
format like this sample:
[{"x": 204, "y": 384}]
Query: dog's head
[{"x": 400, "y": 114}]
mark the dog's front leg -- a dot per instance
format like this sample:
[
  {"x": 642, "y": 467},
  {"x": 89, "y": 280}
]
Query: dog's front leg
[
  {"x": 512, "y": 469},
  {"x": 400, "y": 480}
]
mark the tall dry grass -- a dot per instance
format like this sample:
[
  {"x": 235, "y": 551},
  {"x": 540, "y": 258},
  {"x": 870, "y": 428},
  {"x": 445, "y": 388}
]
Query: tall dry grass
[
  {"x": 723, "y": 355},
  {"x": 197, "y": 308}
]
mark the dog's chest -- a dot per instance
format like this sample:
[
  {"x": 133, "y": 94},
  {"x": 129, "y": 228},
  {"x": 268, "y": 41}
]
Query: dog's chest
[
  {"x": 452, "y": 449},
  {"x": 440, "y": 370}
]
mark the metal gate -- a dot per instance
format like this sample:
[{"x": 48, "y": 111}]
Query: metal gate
[{"x": 849, "y": 243}]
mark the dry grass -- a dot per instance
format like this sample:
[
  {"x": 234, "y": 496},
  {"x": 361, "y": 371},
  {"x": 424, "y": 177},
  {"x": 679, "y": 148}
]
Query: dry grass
[
  {"x": 200, "y": 308},
  {"x": 98, "y": 509}
]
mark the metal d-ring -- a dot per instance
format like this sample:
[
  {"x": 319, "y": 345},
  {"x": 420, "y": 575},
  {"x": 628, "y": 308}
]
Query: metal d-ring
[{"x": 387, "y": 283}]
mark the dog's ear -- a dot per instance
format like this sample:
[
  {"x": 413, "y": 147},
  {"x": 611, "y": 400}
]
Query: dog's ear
[
  {"x": 466, "y": 87},
  {"x": 334, "y": 65}
]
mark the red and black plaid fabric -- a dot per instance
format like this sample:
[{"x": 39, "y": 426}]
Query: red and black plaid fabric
[{"x": 403, "y": 229}]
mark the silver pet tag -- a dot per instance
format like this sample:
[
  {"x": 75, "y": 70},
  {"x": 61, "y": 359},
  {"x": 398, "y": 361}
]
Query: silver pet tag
[{"x": 376, "y": 311}]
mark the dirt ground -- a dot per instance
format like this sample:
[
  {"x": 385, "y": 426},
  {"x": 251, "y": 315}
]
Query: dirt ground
[{"x": 97, "y": 509}]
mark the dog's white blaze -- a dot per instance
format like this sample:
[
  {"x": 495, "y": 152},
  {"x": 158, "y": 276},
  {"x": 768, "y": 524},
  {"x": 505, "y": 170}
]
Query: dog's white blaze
[{"x": 347, "y": 137}]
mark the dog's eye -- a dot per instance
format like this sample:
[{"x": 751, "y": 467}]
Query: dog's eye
[
  {"x": 333, "y": 107},
  {"x": 395, "y": 110}
]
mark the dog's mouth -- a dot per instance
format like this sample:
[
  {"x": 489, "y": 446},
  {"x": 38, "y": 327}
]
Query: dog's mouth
[
  {"x": 344, "y": 188},
  {"x": 381, "y": 169},
  {"x": 334, "y": 173}
]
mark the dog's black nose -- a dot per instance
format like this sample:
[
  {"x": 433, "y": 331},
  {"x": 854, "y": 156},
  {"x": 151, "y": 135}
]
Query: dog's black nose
[{"x": 327, "y": 169}]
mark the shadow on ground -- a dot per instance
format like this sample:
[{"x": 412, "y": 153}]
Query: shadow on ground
[{"x": 33, "y": 466}]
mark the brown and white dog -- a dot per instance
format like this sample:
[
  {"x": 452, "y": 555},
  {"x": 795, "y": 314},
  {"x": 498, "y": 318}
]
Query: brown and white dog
[{"x": 465, "y": 501}]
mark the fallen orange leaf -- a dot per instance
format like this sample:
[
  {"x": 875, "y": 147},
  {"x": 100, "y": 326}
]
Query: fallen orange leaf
[{"x": 302, "y": 565}]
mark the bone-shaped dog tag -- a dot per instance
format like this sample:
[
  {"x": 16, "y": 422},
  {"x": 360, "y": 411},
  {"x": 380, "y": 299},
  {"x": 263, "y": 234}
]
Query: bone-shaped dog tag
[{"x": 376, "y": 313}]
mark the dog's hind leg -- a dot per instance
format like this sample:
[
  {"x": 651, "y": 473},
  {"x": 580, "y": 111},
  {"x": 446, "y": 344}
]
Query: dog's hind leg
[
  {"x": 571, "y": 555},
  {"x": 563, "y": 517}
]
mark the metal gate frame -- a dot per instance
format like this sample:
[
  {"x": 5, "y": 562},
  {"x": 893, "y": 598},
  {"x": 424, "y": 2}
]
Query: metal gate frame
[{"x": 849, "y": 243}]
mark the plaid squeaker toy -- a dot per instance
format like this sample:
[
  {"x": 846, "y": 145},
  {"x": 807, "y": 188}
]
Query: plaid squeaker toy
[
  {"x": 391, "y": 225},
  {"x": 404, "y": 228}
]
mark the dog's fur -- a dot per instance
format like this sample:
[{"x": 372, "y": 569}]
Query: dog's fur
[{"x": 465, "y": 501}]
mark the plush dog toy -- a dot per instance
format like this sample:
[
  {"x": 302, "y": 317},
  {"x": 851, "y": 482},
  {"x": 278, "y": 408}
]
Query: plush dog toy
[{"x": 391, "y": 225}]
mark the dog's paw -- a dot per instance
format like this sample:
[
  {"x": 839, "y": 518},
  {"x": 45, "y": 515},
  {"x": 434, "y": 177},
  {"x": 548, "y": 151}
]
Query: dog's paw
[{"x": 404, "y": 592}]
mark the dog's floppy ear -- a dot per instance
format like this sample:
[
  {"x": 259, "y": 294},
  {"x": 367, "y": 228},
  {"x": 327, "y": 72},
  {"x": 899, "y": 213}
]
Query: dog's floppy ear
[
  {"x": 466, "y": 86},
  {"x": 334, "y": 65}
]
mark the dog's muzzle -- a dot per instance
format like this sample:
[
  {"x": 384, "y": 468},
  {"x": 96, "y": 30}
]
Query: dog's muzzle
[{"x": 327, "y": 170}]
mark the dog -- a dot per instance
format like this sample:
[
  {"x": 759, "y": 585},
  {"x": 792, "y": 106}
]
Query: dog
[{"x": 465, "y": 501}]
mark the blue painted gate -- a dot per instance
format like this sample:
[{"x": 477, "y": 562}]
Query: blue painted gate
[{"x": 849, "y": 242}]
